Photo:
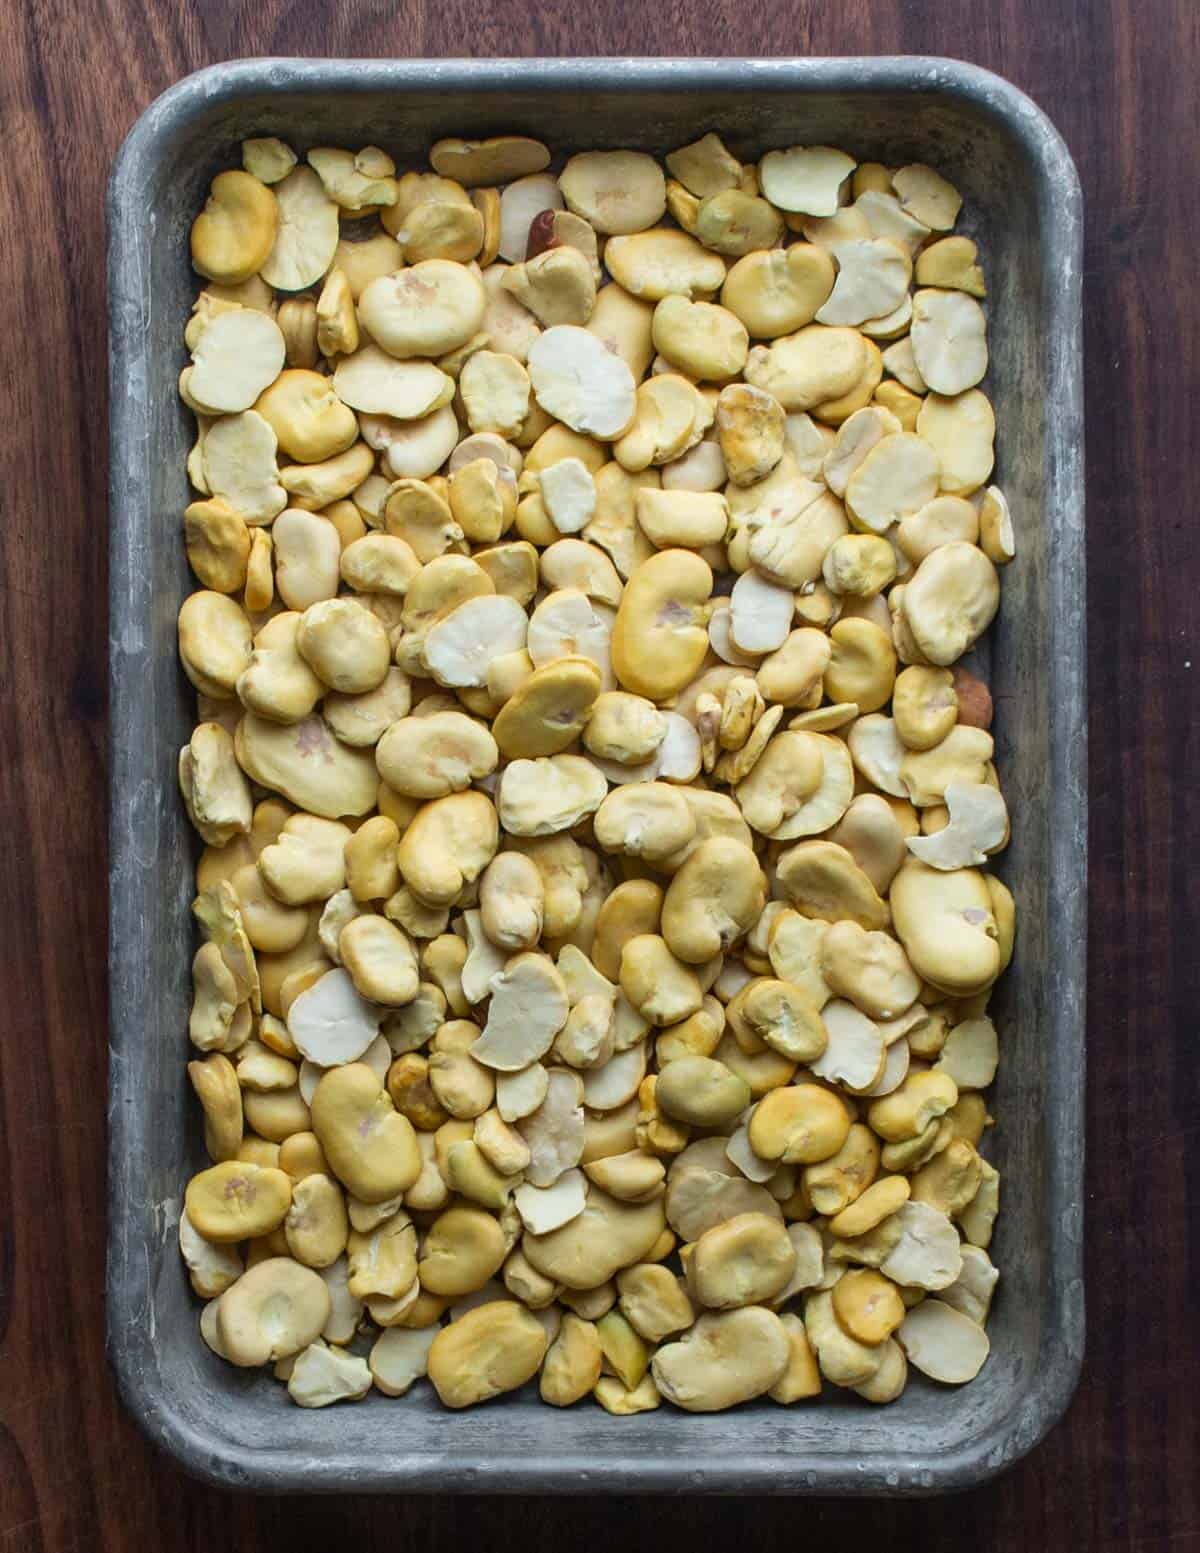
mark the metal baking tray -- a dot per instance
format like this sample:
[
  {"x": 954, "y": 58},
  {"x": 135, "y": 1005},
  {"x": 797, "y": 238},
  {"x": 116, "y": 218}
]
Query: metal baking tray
[{"x": 1023, "y": 203}]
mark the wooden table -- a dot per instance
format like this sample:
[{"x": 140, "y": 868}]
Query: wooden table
[{"x": 1123, "y": 1470}]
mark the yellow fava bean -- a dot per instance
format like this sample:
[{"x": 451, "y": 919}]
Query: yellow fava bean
[
  {"x": 317, "y": 1225},
  {"x": 782, "y": 1015},
  {"x": 714, "y": 898},
  {"x": 273, "y": 1311},
  {"x": 548, "y": 711},
  {"x": 572, "y": 1365},
  {"x": 706, "y": 342},
  {"x": 233, "y": 235},
  {"x": 214, "y": 642},
  {"x": 726, "y": 1358},
  {"x": 461, "y": 1251},
  {"x": 777, "y": 291},
  {"x": 448, "y": 844},
  {"x": 799, "y": 1124},
  {"x": 748, "y": 1260},
  {"x": 237, "y": 1200},
  {"x": 660, "y": 987},
  {"x": 945, "y": 921},
  {"x": 381, "y": 960},
  {"x": 370, "y": 1148},
  {"x": 492, "y": 1349},
  {"x": 659, "y": 638},
  {"x": 701, "y": 1092},
  {"x": 607, "y": 1236}
]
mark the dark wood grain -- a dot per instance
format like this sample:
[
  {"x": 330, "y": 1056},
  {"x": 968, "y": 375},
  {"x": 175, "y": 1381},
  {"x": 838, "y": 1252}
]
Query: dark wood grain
[{"x": 1122, "y": 1472}]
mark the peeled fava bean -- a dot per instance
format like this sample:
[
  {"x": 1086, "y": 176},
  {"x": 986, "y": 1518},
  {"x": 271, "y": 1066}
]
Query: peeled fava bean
[
  {"x": 593, "y": 557},
  {"x": 492, "y": 1349},
  {"x": 726, "y": 1358}
]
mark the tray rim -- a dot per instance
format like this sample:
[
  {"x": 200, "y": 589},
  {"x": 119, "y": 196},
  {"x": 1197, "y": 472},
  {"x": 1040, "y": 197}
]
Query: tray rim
[{"x": 889, "y": 1472}]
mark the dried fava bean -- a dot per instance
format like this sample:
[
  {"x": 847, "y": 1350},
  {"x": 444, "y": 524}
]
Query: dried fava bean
[
  {"x": 363, "y": 260},
  {"x": 800, "y": 785},
  {"x": 670, "y": 416},
  {"x": 448, "y": 843},
  {"x": 236, "y": 1200},
  {"x": 433, "y": 756},
  {"x": 750, "y": 430},
  {"x": 705, "y": 166},
  {"x": 572, "y": 1365},
  {"x": 805, "y": 178},
  {"x": 322, "y": 1375},
  {"x": 736, "y": 223},
  {"x": 234, "y": 234},
  {"x": 802, "y": 1377},
  {"x": 370, "y": 1147},
  {"x": 713, "y": 900},
  {"x": 331, "y": 1022},
  {"x": 663, "y": 263},
  {"x": 521, "y": 202},
  {"x": 214, "y": 789},
  {"x": 961, "y": 429},
  {"x": 309, "y": 420},
  {"x": 274, "y": 1310},
  {"x": 661, "y": 988},
  {"x": 616, "y": 191},
  {"x": 428, "y": 309},
  {"x": 782, "y": 1015},
  {"x": 704, "y": 341},
  {"x": 799, "y": 1124},
  {"x": 872, "y": 281},
  {"x": 568, "y": 494},
  {"x": 214, "y": 642},
  {"x": 575, "y": 378},
  {"x": 356, "y": 181},
  {"x": 212, "y": 1268},
  {"x": 216, "y": 1087},
  {"x": 380, "y": 959},
  {"x": 977, "y": 826},
  {"x": 528, "y": 1008},
  {"x": 512, "y": 902},
  {"x": 557, "y": 286},
  {"x": 927, "y": 196},
  {"x": 307, "y": 551},
  {"x": 843, "y": 1360},
  {"x": 951, "y": 600},
  {"x": 943, "y": 1343},
  {"x": 239, "y": 354},
  {"x": 805, "y": 370},
  {"x": 307, "y": 234},
  {"x": 970, "y": 1054},
  {"x": 748, "y": 1260},
  {"x": 726, "y": 1358},
  {"x": 941, "y": 521},
  {"x": 701, "y": 1091},
  {"x": 607, "y": 1236},
  {"x": 494, "y": 1348},
  {"x": 777, "y": 291},
  {"x": 645, "y": 819},
  {"x": 549, "y": 794},
  {"x": 996, "y": 535},
  {"x": 950, "y": 264},
  {"x": 344, "y": 644},
  {"x": 372, "y": 381},
  {"x": 949, "y": 340},
  {"x": 498, "y": 160},
  {"x": 701, "y": 468},
  {"x": 307, "y": 765}
]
